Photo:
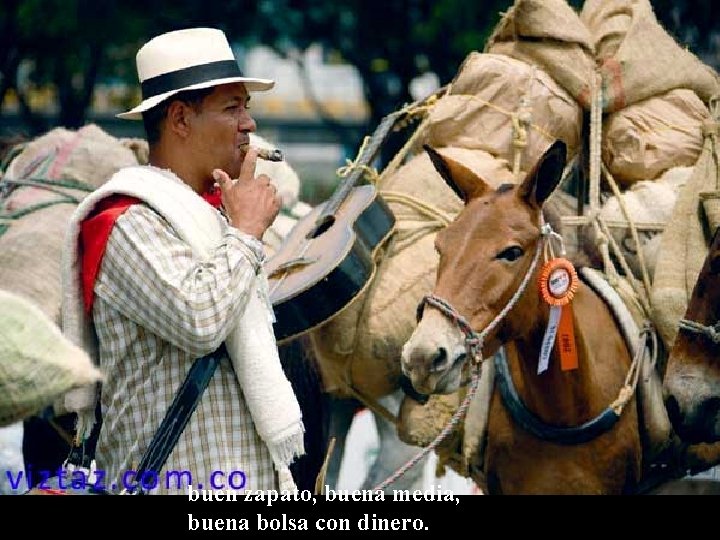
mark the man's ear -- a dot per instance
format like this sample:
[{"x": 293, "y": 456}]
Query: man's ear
[
  {"x": 178, "y": 118},
  {"x": 465, "y": 183},
  {"x": 545, "y": 176}
]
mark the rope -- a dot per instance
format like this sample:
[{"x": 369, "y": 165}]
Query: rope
[
  {"x": 423, "y": 207},
  {"x": 711, "y": 332},
  {"x": 633, "y": 230},
  {"x": 370, "y": 173},
  {"x": 521, "y": 120},
  {"x": 595, "y": 144},
  {"x": 633, "y": 374},
  {"x": 623, "y": 264}
]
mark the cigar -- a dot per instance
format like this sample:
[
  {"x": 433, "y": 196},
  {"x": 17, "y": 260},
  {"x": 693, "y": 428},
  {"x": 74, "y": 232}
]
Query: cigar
[{"x": 270, "y": 155}]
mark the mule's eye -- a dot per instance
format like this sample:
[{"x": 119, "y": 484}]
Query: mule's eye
[{"x": 513, "y": 253}]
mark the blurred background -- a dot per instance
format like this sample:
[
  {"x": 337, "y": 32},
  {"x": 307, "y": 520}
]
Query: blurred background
[{"x": 340, "y": 66}]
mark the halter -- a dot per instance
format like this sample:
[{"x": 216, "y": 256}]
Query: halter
[
  {"x": 474, "y": 340},
  {"x": 710, "y": 332}
]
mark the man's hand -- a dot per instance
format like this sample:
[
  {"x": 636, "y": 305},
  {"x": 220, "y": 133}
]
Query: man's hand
[{"x": 251, "y": 203}]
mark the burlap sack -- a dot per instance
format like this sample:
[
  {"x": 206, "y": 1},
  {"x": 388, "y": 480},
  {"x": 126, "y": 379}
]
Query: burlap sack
[
  {"x": 550, "y": 35},
  {"x": 608, "y": 21},
  {"x": 646, "y": 202},
  {"x": 88, "y": 155},
  {"x": 419, "y": 424},
  {"x": 642, "y": 60},
  {"x": 684, "y": 244},
  {"x": 30, "y": 249},
  {"x": 37, "y": 363},
  {"x": 643, "y": 140},
  {"x": 487, "y": 98}
]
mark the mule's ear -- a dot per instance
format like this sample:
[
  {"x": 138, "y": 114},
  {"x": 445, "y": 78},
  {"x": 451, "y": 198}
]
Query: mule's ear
[
  {"x": 465, "y": 183},
  {"x": 545, "y": 176}
]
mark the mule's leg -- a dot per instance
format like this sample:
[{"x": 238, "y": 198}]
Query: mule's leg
[
  {"x": 393, "y": 453},
  {"x": 342, "y": 412}
]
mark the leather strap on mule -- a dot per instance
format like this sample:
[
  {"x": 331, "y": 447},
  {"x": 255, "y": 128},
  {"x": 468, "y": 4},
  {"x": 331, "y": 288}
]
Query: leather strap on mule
[
  {"x": 177, "y": 416},
  {"x": 532, "y": 424}
]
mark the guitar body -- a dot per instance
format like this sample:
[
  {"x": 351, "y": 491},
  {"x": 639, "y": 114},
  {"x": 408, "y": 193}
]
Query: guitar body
[{"x": 313, "y": 279}]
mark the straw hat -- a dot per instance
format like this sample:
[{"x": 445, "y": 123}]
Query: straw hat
[{"x": 187, "y": 60}]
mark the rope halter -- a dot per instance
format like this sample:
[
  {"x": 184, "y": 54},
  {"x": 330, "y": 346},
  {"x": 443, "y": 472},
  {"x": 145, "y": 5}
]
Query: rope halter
[{"x": 710, "y": 332}]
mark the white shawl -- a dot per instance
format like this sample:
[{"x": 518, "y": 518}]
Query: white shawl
[{"x": 251, "y": 345}]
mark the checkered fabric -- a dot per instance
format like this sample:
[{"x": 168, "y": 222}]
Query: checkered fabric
[{"x": 156, "y": 310}]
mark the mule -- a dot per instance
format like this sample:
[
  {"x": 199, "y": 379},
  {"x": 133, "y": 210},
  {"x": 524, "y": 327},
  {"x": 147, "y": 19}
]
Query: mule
[
  {"x": 486, "y": 301},
  {"x": 692, "y": 379}
]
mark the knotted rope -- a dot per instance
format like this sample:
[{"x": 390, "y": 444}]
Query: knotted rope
[{"x": 710, "y": 332}]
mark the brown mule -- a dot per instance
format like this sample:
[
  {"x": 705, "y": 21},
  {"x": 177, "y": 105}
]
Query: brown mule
[
  {"x": 692, "y": 379},
  {"x": 558, "y": 436}
]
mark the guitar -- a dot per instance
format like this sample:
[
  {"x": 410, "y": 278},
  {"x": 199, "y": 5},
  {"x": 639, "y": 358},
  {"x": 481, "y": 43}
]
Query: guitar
[{"x": 328, "y": 258}]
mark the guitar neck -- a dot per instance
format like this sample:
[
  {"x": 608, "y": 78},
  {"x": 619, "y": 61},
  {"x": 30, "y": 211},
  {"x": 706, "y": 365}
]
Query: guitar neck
[{"x": 368, "y": 154}]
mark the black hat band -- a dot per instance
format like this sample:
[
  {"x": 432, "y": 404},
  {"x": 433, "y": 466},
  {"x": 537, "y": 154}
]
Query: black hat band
[{"x": 174, "y": 80}]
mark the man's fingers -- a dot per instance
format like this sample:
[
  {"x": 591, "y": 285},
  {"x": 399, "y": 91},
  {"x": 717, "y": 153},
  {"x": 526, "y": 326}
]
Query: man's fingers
[
  {"x": 247, "y": 171},
  {"x": 221, "y": 177}
]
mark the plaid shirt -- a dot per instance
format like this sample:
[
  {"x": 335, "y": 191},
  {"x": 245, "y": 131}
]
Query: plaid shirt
[{"x": 157, "y": 309}]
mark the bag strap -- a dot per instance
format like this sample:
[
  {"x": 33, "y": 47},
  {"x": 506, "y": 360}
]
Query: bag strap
[{"x": 177, "y": 416}]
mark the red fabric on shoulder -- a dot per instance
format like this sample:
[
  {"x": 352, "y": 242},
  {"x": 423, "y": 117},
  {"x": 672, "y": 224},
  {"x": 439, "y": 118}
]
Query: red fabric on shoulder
[
  {"x": 94, "y": 233},
  {"x": 213, "y": 198}
]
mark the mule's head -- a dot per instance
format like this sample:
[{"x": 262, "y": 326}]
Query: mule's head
[
  {"x": 484, "y": 256},
  {"x": 692, "y": 379}
]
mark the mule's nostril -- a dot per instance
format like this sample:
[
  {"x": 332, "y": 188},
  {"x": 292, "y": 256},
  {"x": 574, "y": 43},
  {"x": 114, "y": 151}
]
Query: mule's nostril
[{"x": 441, "y": 359}]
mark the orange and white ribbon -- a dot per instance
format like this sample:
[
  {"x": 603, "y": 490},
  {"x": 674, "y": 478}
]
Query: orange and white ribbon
[{"x": 558, "y": 284}]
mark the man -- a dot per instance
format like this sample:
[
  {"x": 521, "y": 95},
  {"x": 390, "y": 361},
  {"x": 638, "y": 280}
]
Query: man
[{"x": 155, "y": 277}]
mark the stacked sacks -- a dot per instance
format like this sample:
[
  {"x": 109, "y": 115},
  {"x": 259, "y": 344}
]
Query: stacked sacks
[
  {"x": 685, "y": 240},
  {"x": 642, "y": 141},
  {"x": 658, "y": 94},
  {"x": 550, "y": 35},
  {"x": 489, "y": 96},
  {"x": 37, "y": 363},
  {"x": 637, "y": 58}
]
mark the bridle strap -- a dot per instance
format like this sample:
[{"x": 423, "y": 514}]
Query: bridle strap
[{"x": 710, "y": 332}]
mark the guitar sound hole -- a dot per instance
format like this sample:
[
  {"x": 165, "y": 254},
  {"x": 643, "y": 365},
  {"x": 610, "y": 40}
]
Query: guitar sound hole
[{"x": 328, "y": 222}]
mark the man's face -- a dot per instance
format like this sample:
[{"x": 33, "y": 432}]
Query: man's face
[{"x": 221, "y": 129}]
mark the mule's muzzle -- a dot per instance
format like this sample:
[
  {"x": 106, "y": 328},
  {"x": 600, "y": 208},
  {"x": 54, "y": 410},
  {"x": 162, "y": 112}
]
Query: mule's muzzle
[{"x": 695, "y": 421}]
